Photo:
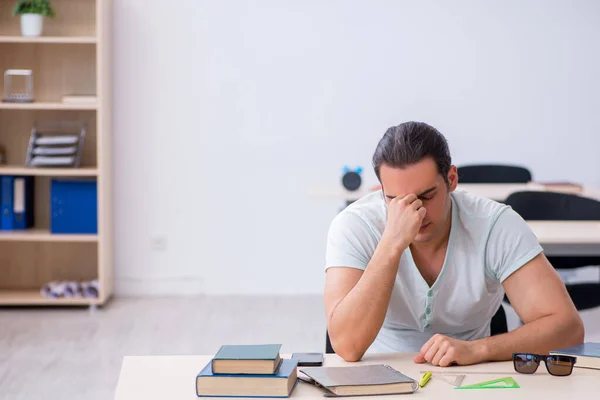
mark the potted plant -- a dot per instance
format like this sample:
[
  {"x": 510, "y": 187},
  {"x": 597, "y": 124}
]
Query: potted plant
[{"x": 32, "y": 14}]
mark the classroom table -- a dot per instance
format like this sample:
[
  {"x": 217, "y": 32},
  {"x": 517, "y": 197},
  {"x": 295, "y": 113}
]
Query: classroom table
[
  {"x": 568, "y": 238},
  {"x": 173, "y": 378},
  {"x": 500, "y": 191}
]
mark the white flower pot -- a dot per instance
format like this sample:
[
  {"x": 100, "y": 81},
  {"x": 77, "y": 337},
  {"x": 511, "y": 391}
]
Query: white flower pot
[{"x": 32, "y": 24}]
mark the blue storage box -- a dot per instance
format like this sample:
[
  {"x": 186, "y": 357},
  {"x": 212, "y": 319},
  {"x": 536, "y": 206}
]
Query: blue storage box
[{"x": 74, "y": 206}]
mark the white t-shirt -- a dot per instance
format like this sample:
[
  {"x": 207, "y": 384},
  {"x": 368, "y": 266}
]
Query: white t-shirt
[{"x": 488, "y": 241}]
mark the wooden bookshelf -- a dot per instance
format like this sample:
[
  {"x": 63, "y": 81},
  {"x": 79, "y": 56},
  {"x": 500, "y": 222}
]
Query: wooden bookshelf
[{"x": 73, "y": 57}]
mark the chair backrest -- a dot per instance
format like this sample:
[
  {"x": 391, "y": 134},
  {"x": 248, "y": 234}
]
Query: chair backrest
[
  {"x": 499, "y": 323},
  {"x": 328, "y": 346},
  {"x": 493, "y": 174},
  {"x": 551, "y": 206}
]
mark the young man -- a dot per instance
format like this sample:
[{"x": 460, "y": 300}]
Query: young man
[{"x": 420, "y": 267}]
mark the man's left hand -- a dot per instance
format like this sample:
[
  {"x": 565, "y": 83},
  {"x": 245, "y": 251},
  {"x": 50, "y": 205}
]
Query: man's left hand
[{"x": 442, "y": 351}]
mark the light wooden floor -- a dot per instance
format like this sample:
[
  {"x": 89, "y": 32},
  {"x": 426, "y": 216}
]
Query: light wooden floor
[{"x": 77, "y": 353}]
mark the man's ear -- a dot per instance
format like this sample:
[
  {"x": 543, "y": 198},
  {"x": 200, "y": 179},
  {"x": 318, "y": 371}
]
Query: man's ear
[{"x": 452, "y": 178}]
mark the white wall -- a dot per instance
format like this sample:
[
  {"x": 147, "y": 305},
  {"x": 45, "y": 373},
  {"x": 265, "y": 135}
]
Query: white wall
[{"x": 227, "y": 112}]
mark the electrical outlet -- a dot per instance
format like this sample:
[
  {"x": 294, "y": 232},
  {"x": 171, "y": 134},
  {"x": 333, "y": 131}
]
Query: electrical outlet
[{"x": 158, "y": 243}]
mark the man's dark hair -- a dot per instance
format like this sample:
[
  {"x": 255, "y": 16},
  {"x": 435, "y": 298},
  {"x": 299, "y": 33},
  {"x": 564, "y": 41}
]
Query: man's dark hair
[{"x": 409, "y": 143}]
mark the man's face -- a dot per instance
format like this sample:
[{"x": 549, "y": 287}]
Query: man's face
[{"x": 424, "y": 180}]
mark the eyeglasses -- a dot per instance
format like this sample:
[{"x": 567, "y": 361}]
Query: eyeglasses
[{"x": 526, "y": 363}]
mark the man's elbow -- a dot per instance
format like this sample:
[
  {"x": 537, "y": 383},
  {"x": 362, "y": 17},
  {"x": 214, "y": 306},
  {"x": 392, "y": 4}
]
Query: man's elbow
[
  {"x": 347, "y": 351},
  {"x": 349, "y": 355},
  {"x": 577, "y": 329},
  {"x": 571, "y": 330}
]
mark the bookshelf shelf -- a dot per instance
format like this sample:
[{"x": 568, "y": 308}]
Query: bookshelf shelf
[
  {"x": 50, "y": 39},
  {"x": 71, "y": 58},
  {"x": 43, "y": 235},
  {"x": 25, "y": 171},
  {"x": 74, "y": 18},
  {"x": 34, "y": 298},
  {"x": 47, "y": 106}
]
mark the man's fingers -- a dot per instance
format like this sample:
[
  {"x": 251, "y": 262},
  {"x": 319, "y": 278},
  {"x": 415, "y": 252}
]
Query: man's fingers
[
  {"x": 422, "y": 211},
  {"x": 438, "y": 351},
  {"x": 443, "y": 347},
  {"x": 409, "y": 199},
  {"x": 427, "y": 345},
  {"x": 433, "y": 350},
  {"x": 448, "y": 358},
  {"x": 419, "y": 359},
  {"x": 417, "y": 204},
  {"x": 430, "y": 347}
]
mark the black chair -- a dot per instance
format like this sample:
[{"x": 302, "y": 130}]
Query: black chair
[
  {"x": 493, "y": 174},
  {"x": 328, "y": 346},
  {"x": 551, "y": 206},
  {"x": 498, "y": 326},
  {"x": 554, "y": 206}
]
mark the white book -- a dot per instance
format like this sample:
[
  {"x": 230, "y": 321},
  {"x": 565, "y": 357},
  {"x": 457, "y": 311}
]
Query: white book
[
  {"x": 74, "y": 99},
  {"x": 42, "y": 160},
  {"x": 54, "y": 151},
  {"x": 49, "y": 140}
]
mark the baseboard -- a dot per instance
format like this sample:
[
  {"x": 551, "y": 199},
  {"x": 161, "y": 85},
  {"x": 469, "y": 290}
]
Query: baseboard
[{"x": 185, "y": 286}]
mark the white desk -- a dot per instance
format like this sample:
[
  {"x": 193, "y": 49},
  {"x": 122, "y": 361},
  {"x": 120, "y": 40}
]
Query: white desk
[
  {"x": 566, "y": 238},
  {"x": 499, "y": 191},
  {"x": 173, "y": 378}
]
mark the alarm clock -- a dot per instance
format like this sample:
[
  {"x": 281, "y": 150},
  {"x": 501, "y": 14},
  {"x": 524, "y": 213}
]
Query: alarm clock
[{"x": 351, "y": 179}]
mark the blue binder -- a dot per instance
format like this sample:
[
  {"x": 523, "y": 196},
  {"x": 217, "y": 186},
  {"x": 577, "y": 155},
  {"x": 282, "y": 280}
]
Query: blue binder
[
  {"x": 74, "y": 206},
  {"x": 17, "y": 202},
  {"x": 7, "y": 203}
]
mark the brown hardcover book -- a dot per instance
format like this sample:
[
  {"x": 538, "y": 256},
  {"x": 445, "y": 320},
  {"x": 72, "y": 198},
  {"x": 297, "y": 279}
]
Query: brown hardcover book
[{"x": 247, "y": 359}]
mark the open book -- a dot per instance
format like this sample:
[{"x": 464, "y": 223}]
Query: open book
[{"x": 362, "y": 380}]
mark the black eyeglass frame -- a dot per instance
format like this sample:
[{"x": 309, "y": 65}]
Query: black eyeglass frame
[{"x": 538, "y": 358}]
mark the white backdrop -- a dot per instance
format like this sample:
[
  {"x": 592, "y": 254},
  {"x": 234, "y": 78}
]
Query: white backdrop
[{"x": 227, "y": 112}]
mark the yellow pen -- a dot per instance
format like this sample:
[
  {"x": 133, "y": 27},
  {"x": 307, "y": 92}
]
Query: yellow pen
[{"x": 426, "y": 377}]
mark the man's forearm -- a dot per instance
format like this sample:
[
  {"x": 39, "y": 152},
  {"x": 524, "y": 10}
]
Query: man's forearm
[
  {"x": 547, "y": 333},
  {"x": 357, "y": 319}
]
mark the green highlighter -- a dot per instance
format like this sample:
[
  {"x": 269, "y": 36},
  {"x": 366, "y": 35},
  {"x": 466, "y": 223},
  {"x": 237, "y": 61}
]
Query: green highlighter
[{"x": 502, "y": 383}]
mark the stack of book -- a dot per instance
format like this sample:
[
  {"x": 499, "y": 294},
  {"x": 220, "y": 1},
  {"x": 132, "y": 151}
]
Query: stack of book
[{"x": 247, "y": 371}]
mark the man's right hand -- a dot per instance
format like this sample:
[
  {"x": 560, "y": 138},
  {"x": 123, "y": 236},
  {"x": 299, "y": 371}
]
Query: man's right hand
[{"x": 404, "y": 220}]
